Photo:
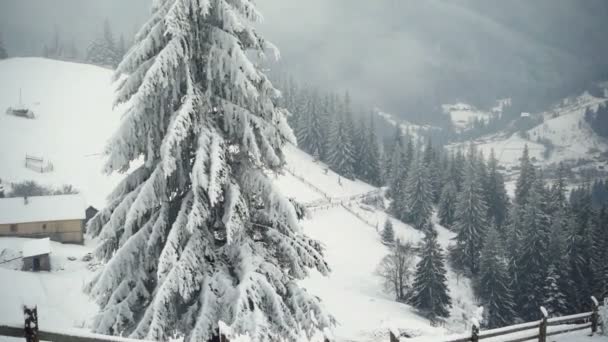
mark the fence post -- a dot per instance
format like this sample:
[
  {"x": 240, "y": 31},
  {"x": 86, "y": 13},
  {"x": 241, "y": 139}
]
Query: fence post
[
  {"x": 392, "y": 337},
  {"x": 475, "y": 331},
  {"x": 594, "y": 316},
  {"x": 31, "y": 324},
  {"x": 542, "y": 333}
]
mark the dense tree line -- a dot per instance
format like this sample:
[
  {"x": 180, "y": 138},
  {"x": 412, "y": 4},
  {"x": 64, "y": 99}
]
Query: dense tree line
[
  {"x": 546, "y": 246},
  {"x": 105, "y": 50},
  {"x": 598, "y": 119},
  {"x": 326, "y": 126}
]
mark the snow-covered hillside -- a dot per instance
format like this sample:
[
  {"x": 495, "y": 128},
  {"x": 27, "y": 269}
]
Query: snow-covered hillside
[
  {"x": 564, "y": 135},
  {"x": 74, "y": 118},
  {"x": 72, "y": 103}
]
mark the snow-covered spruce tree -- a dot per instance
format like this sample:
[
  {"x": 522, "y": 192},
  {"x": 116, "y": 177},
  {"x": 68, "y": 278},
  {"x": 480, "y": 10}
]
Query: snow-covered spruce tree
[
  {"x": 103, "y": 50},
  {"x": 471, "y": 220},
  {"x": 494, "y": 283},
  {"x": 533, "y": 256},
  {"x": 372, "y": 171},
  {"x": 430, "y": 290},
  {"x": 388, "y": 233},
  {"x": 434, "y": 176},
  {"x": 599, "y": 252},
  {"x": 395, "y": 156},
  {"x": 554, "y": 300},
  {"x": 496, "y": 193},
  {"x": 198, "y": 233},
  {"x": 526, "y": 178},
  {"x": 340, "y": 152},
  {"x": 446, "y": 210},
  {"x": 418, "y": 195}
]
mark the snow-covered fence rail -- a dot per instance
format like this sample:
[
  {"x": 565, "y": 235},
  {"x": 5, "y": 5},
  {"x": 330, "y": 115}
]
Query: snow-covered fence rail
[
  {"x": 540, "y": 329},
  {"x": 31, "y": 332}
]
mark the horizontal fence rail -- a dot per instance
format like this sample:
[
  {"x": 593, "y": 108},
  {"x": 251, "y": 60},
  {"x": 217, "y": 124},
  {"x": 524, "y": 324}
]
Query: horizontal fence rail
[{"x": 538, "y": 330}]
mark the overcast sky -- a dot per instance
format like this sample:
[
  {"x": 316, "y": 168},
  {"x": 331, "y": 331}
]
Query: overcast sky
[{"x": 402, "y": 55}]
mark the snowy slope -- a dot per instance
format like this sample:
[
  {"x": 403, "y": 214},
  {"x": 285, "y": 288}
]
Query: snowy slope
[
  {"x": 564, "y": 127},
  {"x": 74, "y": 117},
  {"x": 463, "y": 115},
  {"x": 74, "y": 120}
]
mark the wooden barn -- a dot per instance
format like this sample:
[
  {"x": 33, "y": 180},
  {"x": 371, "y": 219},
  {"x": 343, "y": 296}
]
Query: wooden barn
[
  {"x": 60, "y": 218},
  {"x": 36, "y": 255}
]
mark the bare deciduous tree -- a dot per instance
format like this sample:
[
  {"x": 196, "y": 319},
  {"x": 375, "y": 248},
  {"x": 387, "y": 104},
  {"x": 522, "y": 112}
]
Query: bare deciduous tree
[{"x": 396, "y": 269}]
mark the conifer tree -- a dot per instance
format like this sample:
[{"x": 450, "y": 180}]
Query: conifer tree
[
  {"x": 418, "y": 200},
  {"x": 372, "y": 171},
  {"x": 533, "y": 256},
  {"x": 554, "y": 300},
  {"x": 599, "y": 252},
  {"x": 496, "y": 193},
  {"x": 198, "y": 233},
  {"x": 447, "y": 205},
  {"x": 388, "y": 233},
  {"x": 526, "y": 178},
  {"x": 471, "y": 221},
  {"x": 494, "y": 283},
  {"x": 430, "y": 290},
  {"x": 3, "y": 54},
  {"x": 340, "y": 152}
]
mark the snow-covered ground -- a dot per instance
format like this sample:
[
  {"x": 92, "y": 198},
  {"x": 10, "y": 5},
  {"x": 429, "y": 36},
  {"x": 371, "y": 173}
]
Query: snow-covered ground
[
  {"x": 75, "y": 117},
  {"x": 564, "y": 127},
  {"x": 463, "y": 115}
]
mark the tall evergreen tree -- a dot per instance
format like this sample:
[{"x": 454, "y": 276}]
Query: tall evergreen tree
[
  {"x": 103, "y": 50},
  {"x": 494, "y": 283},
  {"x": 198, "y": 233},
  {"x": 418, "y": 200},
  {"x": 447, "y": 205},
  {"x": 526, "y": 178},
  {"x": 471, "y": 221},
  {"x": 430, "y": 290},
  {"x": 372, "y": 171},
  {"x": 533, "y": 256},
  {"x": 388, "y": 233},
  {"x": 555, "y": 301},
  {"x": 495, "y": 193},
  {"x": 599, "y": 252},
  {"x": 340, "y": 151}
]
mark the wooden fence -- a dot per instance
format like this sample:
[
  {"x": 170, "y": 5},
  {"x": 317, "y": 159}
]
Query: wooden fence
[
  {"x": 31, "y": 332},
  {"x": 538, "y": 330}
]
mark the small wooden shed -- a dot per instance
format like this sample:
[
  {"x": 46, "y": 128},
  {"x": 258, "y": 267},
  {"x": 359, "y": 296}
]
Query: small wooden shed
[{"x": 36, "y": 255}]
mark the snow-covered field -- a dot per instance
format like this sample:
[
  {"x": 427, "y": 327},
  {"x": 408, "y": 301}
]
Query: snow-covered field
[
  {"x": 74, "y": 118},
  {"x": 564, "y": 127},
  {"x": 463, "y": 115}
]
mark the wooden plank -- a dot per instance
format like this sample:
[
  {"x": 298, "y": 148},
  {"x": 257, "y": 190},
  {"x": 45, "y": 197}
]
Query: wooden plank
[
  {"x": 567, "y": 330},
  {"x": 13, "y": 331},
  {"x": 502, "y": 331},
  {"x": 570, "y": 318},
  {"x": 6, "y": 330}
]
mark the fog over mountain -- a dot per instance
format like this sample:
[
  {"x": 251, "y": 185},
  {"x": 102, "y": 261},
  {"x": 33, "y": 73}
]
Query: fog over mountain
[{"x": 405, "y": 56}]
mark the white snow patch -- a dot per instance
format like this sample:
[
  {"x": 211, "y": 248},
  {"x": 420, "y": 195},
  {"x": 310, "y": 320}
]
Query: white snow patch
[
  {"x": 41, "y": 208},
  {"x": 36, "y": 247}
]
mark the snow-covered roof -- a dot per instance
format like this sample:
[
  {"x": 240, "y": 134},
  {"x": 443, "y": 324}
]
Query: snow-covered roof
[
  {"x": 36, "y": 247},
  {"x": 41, "y": 208}
]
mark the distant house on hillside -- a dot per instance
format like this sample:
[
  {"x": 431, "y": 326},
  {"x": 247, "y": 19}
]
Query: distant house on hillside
[
  {"x": 60, "y": 218},
  {"x": 36, "y": 255}
]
